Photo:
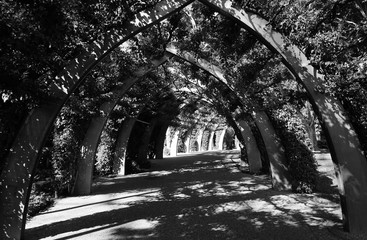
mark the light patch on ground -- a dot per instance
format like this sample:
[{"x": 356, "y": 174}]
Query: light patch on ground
[
  {"x": 181, "y": 196},
  {"x": 220, "y": 228},
  {"x": 76, "y": 207},
  {"x": 140, "y": 224},
  {"x": 232, "y": 207},
  {"x": 73, "y": 234}
]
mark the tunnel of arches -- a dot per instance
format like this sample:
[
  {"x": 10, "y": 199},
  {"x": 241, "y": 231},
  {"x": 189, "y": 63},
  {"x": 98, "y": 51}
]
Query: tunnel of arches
[{"x": 131, "y": 77}]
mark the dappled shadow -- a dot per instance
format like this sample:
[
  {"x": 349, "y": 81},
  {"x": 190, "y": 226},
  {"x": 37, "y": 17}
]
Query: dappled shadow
[
  {"x": 190, "y": 197},
  {"x": 351, "y": 165}
]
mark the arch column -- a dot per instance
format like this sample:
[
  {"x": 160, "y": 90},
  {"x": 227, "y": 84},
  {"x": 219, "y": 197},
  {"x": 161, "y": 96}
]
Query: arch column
[
  {"x": 221, "y": 138},
  {"x": 121, "y": 146},
  {"x": 200, "y": 138},
  {"x": 211, "y": 138},
  {"x": 205, "y": 139},
  {"x": 187, "y": 141},
  {"x": 159, "y": 146},
  {"x": 237, "y": 143},
  {"x": 144, "y": 145},
  {"x": 253, "y": 153},
  {"x": 174, "y": 143},
  {"x": 279, "y": 172}
]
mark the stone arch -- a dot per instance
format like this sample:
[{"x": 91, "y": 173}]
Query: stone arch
[{"x": 342, "y": 140}]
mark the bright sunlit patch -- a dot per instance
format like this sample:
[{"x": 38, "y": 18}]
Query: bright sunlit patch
[
  {"x": 69, "y": 235},
  {"x": 259, "y": 205},
  {"x": 221, "y": 228},
  {"x": 254, "y": 220},
  {"x": 231, "y": 207},
  {"x": 181, "y": 196},
  {"x": 184, "y": 170},
  {"x": 146, "y": 174},
  {"x": 141, "y": 224}
]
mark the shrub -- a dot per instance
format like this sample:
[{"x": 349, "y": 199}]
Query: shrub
[
  {"x": 301, "y": 164},
  {"x": 39, "y": 200},
  {"x": 300, "y": 161}
]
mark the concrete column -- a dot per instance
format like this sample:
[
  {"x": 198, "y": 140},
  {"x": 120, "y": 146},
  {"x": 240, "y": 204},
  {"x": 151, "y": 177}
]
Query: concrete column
[
  {"x": 83, "y": 181},
  {"x": 159, "y": 143},
  {"x": 211, "y": 138},
  {"x": 121, "y": 146},
  {"x": 236, "y": 143},
  {"x": 279, "y": 172},
  {"x": 203, "y": 139},
  {"x": 221, "y": 139},
  {"x": 253, "y": 153},
  {"x": 187, "y": 141},
  {"x": 144, "y": 145},
  {"x": 167, "y": 141},
  {"x": 200, "y": 138},
  {"x": 174, "y": 143}
]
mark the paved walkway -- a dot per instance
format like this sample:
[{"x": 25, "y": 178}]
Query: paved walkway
[{"x": 202, "y": 196}]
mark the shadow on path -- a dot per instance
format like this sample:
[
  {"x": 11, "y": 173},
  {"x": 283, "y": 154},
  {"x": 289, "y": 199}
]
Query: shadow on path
[{"x": 201, "y": 196}]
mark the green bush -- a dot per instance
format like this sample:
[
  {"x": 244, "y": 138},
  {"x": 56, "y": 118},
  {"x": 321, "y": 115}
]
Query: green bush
[
  {"x": 38, "y": 201},
  {"x": 301, "y": 164},
  {"x": 300, "y": 161}
]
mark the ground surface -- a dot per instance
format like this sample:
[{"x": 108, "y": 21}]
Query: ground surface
[{"x": 203, "y": 196}]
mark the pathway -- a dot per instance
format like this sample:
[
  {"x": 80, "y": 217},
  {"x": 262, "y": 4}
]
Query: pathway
[{"x": 201, "y": 196}]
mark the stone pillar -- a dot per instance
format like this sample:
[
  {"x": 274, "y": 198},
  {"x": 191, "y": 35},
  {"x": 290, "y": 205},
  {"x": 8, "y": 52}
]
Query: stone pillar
[
  {"x": 211, "y": 138},
  {"x": 174, "y": 143},
  {"x": 221, "y": 139},
  {"x": 200, "y": 138},
  {"x": 167, "y": 141},
  {"x": 187, "y": 141},
  {"x": 159, "y": 143},
  {"x": 144, "y": 145},
  {"x": 279, "y": 172},
  {"x": 236, "y": 143},
  {"x": 83, "y": 180},
  {"x": 253, "y": 153},
  {"x": 121, "y": 146}
]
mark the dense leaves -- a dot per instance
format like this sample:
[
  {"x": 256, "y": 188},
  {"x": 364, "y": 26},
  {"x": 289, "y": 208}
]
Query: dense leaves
[{"x": 300, "y": 161}]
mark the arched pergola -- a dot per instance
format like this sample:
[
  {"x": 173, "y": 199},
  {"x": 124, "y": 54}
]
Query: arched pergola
[{"x": 342, "y": 140}]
